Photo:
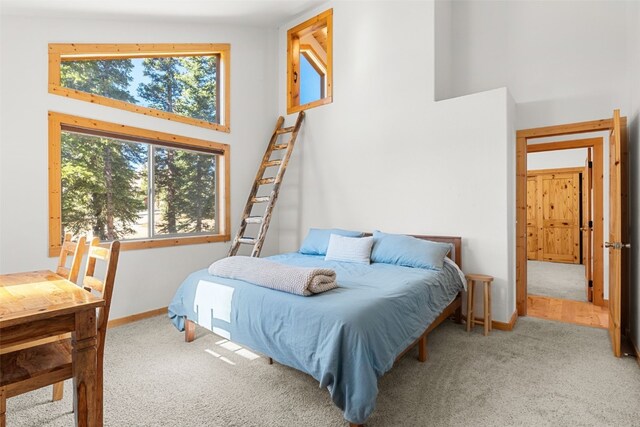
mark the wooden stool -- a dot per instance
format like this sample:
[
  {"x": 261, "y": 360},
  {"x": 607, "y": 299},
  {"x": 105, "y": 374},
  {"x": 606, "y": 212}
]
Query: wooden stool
[{"x": 471, "y": 321}]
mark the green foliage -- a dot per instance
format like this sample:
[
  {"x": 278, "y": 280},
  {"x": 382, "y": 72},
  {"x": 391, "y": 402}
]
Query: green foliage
[
  {"x": 110, "y": 78},
  {"x": 104, "y": 181},
  {"x": 200, "y": 192},
  {"x": 165, "y": 87},
  {"x": 184, "y": 86},
  {"x": 199, "y": 88},
  {"x": 100, "y": 190},
  {"x": 185, "y": 187}
]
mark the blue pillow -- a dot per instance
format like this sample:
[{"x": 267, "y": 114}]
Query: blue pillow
[
  {"x": 317, "y": 240},
  {"x": 408, "y": 251}
]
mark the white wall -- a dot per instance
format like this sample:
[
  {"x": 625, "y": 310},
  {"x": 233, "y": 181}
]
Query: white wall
[
  {"x": 556, "y": 57},
  {"x": 385, "y": 156},
  {"x": 561, "y": 61},
  {"x": 146, "y": 279},
  {"x": 557, "y": 159},
  {"x": 443, "y": 52},
  {"x": 510, "y": 161}
]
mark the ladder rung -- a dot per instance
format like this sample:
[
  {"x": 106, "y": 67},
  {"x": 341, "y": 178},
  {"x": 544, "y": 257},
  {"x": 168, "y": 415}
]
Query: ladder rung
[
  {"x": 261, "y": 199},
  {"x": 247, "y": 240},
  {"x": 264, "y": 181},
  {"x": 280, "y": 146},
  {"x": 254, "y": 220},
  {"x": 285, "y": 130},
  {"x": 272, "y": 163}
]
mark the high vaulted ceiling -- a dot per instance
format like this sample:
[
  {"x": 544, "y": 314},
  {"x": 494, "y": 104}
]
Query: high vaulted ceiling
[{"x": 267, "y": 13}]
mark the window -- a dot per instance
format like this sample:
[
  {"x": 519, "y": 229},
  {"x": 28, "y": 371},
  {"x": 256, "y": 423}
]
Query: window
[
  {"x": 312, "y": 77},
  {"x": 187, "y": 83},
  {"x": 145, "y": 188},
  {"x": 309, "y": 63}
]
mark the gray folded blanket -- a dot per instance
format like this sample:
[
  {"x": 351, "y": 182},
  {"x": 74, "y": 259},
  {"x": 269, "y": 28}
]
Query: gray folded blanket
[{"x": 269, "y": 274}]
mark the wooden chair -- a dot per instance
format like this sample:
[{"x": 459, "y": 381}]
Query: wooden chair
[
  {"x": 68, "y": 249},
  {"x": 51, "y": 363},
  {"x": 75, "y": 249}
]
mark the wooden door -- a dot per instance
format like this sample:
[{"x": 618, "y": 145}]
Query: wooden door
[
  {"x": 532, "y": 215},
  {"x": 587, "y": 226},
  {"x": 559, "y": 217},
  {"x": 618, "y": 229}
]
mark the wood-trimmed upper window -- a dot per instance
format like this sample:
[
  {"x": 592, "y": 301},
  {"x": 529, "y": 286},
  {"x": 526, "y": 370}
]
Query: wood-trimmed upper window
[
  {"x": 145, "y": 188},
  {"x": 187, "y": 83},
  {"x": 310, "y": 63}
]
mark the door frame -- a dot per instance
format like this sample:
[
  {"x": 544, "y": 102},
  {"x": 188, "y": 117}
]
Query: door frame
[
  {"x": 597, "y": 172},
  {"x": 522, "y": 138}
]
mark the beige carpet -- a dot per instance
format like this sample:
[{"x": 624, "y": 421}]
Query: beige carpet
[
  {"x": 558, "y": 280},
  {"x": 541, "y": 374}
]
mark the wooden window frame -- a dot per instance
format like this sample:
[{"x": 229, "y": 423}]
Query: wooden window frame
[
  {"x": 324, "y": 19},
  {"x": 223, "y": 213},
  {"x": 59, "y": 52}
]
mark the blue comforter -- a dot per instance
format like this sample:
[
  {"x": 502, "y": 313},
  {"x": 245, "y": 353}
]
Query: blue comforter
[{"x": 345, "y": 338}]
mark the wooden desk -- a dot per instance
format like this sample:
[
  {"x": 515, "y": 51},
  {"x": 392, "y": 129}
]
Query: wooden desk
[{"x": 41, "y": 304}]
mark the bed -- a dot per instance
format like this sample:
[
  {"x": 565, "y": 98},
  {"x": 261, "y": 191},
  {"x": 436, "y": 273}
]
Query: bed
[{"x": 345, "y": 338}]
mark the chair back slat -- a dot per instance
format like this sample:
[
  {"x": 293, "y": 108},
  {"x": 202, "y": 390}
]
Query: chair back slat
[
  {"x": 68, "y": 245},
  {"x": 99, "y": 253},
  {"x": 64, "y": 252},
  {"x": 104, "y": 287},
  {"x": 93, "y": 284},
  {"x": 74, "y": 249},
  {"x": 64, "y": 272}
]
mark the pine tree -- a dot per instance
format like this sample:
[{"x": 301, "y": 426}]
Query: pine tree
[
  {"x": 199, "y": 100},
  {"x": 199, "y": 94},
  {"x": 199, "y": 191},
  {"x": 165, "y": 87},
  {"x": 100, "y": 175},
  {"x": 163, "y": 92},
  {"x": 109, "y": 78},
  {"x": 103, "y": 180},
  {"x": 100, "y": 185},
  {"x": 169, "y": 176}
]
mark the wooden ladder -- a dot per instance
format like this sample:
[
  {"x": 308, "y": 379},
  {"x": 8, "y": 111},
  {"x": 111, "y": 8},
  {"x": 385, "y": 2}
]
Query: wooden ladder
[{"x": 260, "y": 181}]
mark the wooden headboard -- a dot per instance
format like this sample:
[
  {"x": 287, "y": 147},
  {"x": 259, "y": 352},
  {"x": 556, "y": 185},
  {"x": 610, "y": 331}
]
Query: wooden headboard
[{"x": 456, "y": 256}]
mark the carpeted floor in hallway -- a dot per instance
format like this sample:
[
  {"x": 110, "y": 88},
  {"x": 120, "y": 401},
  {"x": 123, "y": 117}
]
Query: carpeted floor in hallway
[
  {"x": 557, "y": 280},
  {"x": 541, "y": 374}
]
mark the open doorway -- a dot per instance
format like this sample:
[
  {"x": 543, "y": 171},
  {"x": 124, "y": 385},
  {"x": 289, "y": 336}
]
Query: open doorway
[
  {"x": 617, "y": 279},
  {"x": 565, "y": 222}
]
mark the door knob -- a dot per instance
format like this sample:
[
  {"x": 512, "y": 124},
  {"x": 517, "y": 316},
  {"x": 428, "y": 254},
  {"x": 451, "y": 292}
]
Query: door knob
[{"x": 617, "y": 245}]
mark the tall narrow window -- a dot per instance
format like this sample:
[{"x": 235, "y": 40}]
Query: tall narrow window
[
  {"x": 187, "y": 83},
  {"x": 309, "y": 63},
  {"x": 145, "y": 188}
]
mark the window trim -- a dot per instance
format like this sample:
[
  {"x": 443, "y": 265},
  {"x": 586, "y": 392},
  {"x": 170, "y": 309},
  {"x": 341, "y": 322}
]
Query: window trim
[
  {"x": 223, "y": 208},
  {"x": 293, "y": 61},
  {"x": 59, "y": 51}
]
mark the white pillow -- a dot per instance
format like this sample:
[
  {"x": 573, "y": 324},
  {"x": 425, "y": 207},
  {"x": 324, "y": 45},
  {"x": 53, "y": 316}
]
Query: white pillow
[{"x": 349, "y": 249}]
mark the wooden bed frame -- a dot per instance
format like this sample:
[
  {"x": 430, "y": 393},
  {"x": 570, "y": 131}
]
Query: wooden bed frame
[{"x": 453, "y": 309}]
